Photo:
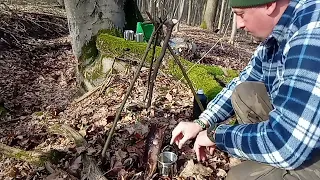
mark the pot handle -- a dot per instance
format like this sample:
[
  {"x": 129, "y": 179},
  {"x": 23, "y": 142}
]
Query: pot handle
[{"x": 168, "y": 147}]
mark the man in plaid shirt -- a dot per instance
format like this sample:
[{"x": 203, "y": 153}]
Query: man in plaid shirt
[{"x": 275, "y": 98}]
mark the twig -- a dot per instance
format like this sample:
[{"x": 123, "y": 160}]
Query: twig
[
  {"x": 151, "y": 65},
  {"x": 126, "y": 96},
  {"x": 186, "y": 77},
  {"x": 107, "y": 83},
  {"x": 10, "y": 121},
  {"x": 170, "y": 26},
  {"x": 87, "y": 95}
]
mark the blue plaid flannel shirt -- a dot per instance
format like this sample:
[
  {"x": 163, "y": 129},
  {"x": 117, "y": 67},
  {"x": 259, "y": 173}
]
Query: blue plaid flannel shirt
[{"x": 288, "y": 62}]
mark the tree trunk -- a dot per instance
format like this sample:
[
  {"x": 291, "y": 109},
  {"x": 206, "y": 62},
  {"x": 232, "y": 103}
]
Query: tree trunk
[
  {"x": 87, "y": 18},
  {"x": 222, "y": 13},
  {"x": 210, "y": 13},
  {"x": 181, "y": 8},
  {"x": 189, "y": 12},
  {"x": 152, "y": 8},
  {"x": 234, "y": 29}
]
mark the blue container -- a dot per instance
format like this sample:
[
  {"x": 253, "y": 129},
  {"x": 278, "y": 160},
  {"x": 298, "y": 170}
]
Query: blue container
[{"x": 203, "y": 99}]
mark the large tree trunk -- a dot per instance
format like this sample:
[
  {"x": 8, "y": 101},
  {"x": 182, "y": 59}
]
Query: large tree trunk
[
  {"x": 210, "y": 13},
  {"x": 87, "y": 18}
]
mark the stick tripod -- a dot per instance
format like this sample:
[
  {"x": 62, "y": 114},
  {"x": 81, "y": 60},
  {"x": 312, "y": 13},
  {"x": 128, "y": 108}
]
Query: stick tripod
[{"x": 151, "y": 79}]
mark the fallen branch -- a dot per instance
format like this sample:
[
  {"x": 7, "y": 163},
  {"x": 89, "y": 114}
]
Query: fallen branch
[
  {"x": 90, "y": 170},
  {"x": 33, "y": 157},
  {"x": 10, "y": 121},
  {"x": 69, "y": 133},
  {"x": 101, "y": 87},
  {"x": 152, "y": 149}
]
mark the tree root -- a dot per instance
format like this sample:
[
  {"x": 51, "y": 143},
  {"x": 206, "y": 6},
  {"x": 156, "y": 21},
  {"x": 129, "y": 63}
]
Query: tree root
[
  {"x": 90, "y": 170},
  {"x": 33, "y": 157}
]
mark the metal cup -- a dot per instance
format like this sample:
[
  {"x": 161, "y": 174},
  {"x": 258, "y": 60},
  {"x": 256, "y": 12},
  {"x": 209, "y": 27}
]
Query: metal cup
[
  {"x": 139, "y": 37},
  {"x": 167, "y": 163},
  {"x": 128, "y": 35}
]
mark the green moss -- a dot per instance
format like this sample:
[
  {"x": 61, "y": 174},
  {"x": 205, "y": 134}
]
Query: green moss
[
  {"x": 3, "y": 111},
  {"x": 202, "y": 76},
  {"x": 114, "y": 46},
  {"x": 36, "y": 159},
  {"x": 113, "y": 32},
  {"x": 39, "y": 113},
  {"x": 88, "y": 53},
  {"x": 203, "y": 25}
]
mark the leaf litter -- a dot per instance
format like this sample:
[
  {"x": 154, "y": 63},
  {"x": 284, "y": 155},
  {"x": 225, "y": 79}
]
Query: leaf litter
[{"x": 38, "y": 91}]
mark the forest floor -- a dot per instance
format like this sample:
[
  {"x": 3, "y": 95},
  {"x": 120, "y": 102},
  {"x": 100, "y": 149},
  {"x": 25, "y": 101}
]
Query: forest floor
[{"x": 38, "y": 90}]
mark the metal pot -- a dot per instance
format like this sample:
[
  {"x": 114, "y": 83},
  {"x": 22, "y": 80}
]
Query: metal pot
[{"x": 167, "y": 163}]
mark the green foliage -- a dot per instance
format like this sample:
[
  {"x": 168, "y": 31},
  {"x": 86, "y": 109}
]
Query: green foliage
[{"x": 204, "y": 25}]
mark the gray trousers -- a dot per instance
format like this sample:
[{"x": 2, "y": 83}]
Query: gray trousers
[{"x": 251, "y": 105}]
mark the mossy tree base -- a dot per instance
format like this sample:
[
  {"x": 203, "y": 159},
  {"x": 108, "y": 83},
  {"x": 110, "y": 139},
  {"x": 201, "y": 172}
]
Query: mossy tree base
[
  {"x": 33, "y": 157},
  {"x": 202, "y": 76}
]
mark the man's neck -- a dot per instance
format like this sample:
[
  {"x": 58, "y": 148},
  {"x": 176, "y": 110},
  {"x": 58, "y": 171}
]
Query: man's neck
[{"x": 281, "y": 8}]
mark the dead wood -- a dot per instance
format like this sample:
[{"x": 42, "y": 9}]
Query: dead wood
[
  {"x": 152, "y": 149},
  {"x": 90, "y": 170},
  {"x": 69, "y": 133},
  {"x": 33, "y": 157}
]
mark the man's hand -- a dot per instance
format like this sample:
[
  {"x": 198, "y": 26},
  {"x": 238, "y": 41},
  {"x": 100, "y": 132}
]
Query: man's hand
[
  {"x": 183, "y": 132},
  {"x": 201, "y": 144}
]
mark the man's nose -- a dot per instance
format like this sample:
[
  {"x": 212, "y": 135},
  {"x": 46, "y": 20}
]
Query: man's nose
[{"x": 240, "y": 24}]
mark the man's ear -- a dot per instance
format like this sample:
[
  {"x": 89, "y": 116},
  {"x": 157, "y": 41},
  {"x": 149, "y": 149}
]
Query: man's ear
[{"x": 271, "y": 7}]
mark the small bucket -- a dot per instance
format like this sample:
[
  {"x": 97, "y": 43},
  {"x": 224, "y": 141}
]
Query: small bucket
[
  {"x": 167, "y": 163},
  {"x": 128, "y": 35}
]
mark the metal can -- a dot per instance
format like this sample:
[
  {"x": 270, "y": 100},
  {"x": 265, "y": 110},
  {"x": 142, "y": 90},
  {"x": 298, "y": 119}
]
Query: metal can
[
  {"x": 139, "y": 37},
  {"x": 128, "y": 35}
]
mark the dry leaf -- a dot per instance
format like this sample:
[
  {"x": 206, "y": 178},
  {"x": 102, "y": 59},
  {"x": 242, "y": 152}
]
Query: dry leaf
[
  {"x": 76, "y": 165},
  {"x": 195, "y": 170},
  {"x": 221, "y": 173},
  {"x": 169, "y": 97}
]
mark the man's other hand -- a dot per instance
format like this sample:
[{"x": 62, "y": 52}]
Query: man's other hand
[{"x": 202, "y": 144}]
